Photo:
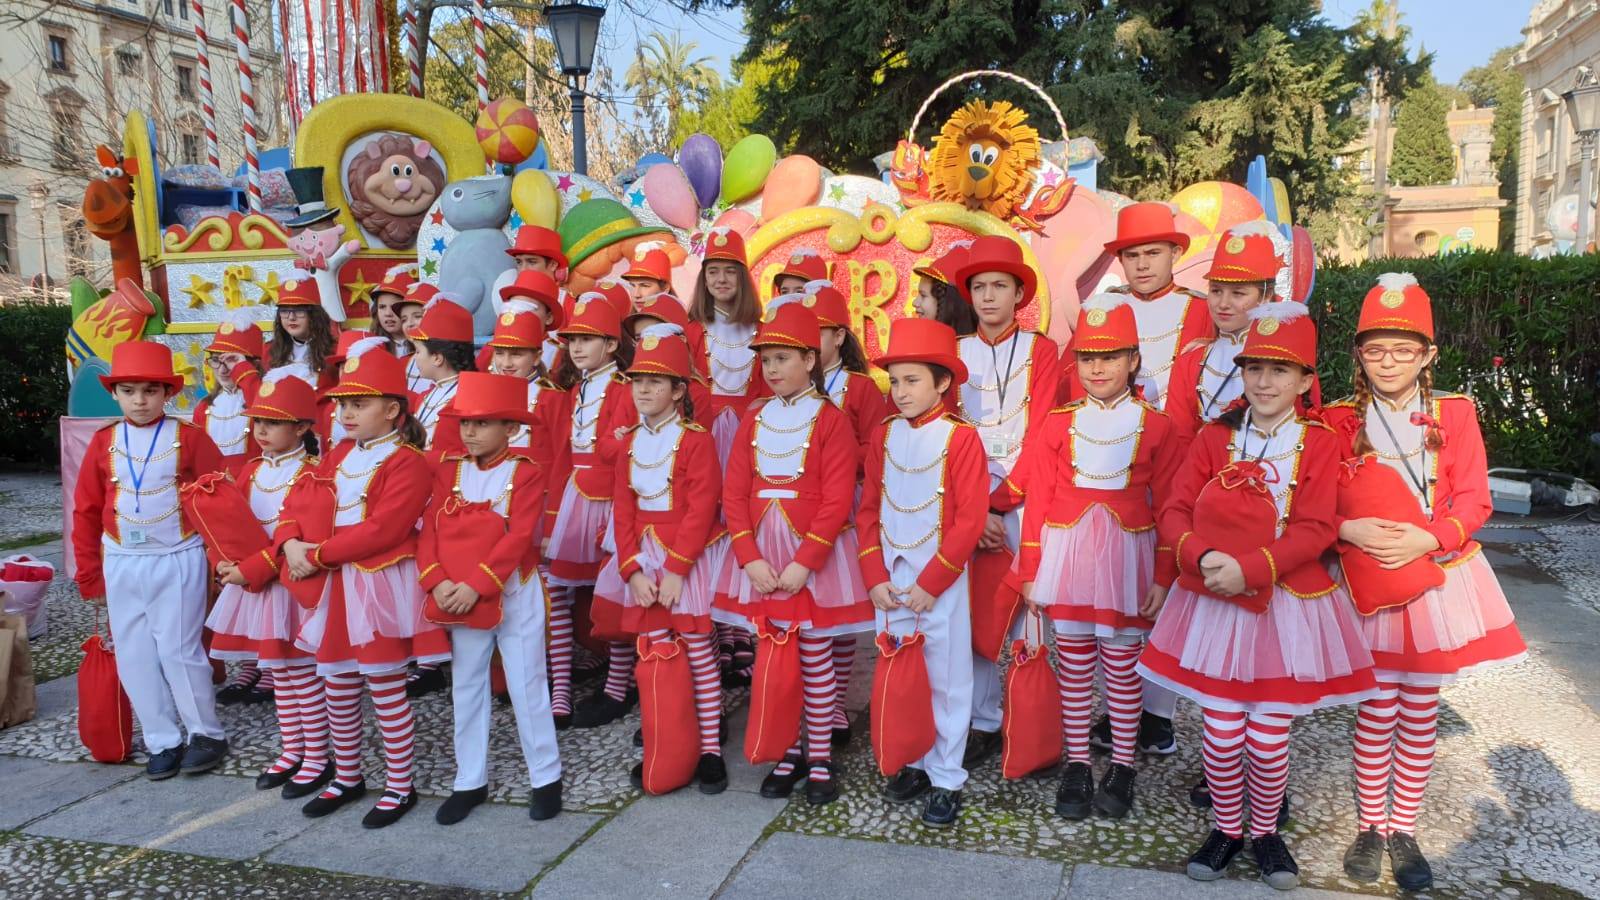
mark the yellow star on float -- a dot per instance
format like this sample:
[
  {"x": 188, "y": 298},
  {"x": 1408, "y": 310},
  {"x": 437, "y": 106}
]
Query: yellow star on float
[
  {"x": 269, "y": 285},
  {"x": 584, "y": 195},
  {"x": 199, "y": 291},
  {"x": 360, "y": 289}
]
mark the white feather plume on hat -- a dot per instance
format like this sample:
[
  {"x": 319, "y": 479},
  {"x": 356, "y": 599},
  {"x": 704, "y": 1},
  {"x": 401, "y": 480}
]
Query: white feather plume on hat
[
  {"x": 963, "y": 244},
  {"x": 402, "y": 269},
  {"x": 661, "y": 330},
  {"x": 297, "y": 275},
  {"x": 804, "y": 253},
  {"x": 1283, "y": 311},
  {"x": 592, "y": 297},
  {"x": 1396, "y": 281},
  {"x": 783, "y": 300},
  {"x": 1254, "y": 227},
  {"x": 445, "y": 297},
  {"x": 1106, "y": 301},
  {"x": 240, "y": 319},
  {"x": 519, "y": 307},
  {"x": 362, "y": 347},
  {"x": 812, "y": 287},
  {"x": 274, "y": 376},
  {"x": 640, "y": 250},
  {"x": 664, "y": 295}
]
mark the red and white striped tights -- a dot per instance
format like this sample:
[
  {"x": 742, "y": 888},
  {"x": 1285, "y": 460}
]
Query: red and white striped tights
[
  {"x": 560, "y": 649},
  {"x": 394, "y": 722},
  {"x": 1076, "y": 656},
  {"x": 1246, "y": 751},
  {"x": 844, "y": 663},
  {"x": 1396, "y": 733},
  {"x": 707, "y": 673},
  {"x": 302, "y": 721},
  {"x": 820, "y": 696},
  {"x": 622, "y": 656}
]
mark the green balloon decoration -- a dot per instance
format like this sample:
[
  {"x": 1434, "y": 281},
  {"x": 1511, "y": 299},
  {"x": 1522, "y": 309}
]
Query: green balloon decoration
[{"x": 747, "y": 167}]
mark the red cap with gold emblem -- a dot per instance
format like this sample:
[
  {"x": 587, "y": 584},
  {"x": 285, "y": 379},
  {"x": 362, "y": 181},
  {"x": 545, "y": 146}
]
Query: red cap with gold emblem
[
  {"x": 1281, "y": 332},
  {"x": 347, "y": 339},
  {"x": 615, "y": 293},
  {"x": 1105, "y": 324},
  {"x": 299, "y": 290},
  {"x": 1146, "y": 223},
  {"x": 537, "y": 286},
  {"x": 804, "y": 263},
  {"x": 661, "y": 307},
  {"x": 238, "y": 333},
  {"x": 284, "y": 397},
  {"x": 832, "y": 309},
  {"x": 995, "y": 253},
  {"x": 925, "y": 341},
  {"x": 488, "y": 395},
  {"x": 370, "y": 370},
  {"x": 142, "y": 361},
  {"x": 1246, "y": 254},
  {"x": 1397, "y": 303},
  {"x": 593, "y": 314},
  {"x": 396, "y": 281},
  {"x": 725, "y": 243},
  {"x": 443, "y": 319},
  {"x": 944, "y": 268},
  {"x": 662, "y": 350},
  {"x": 788, "y": 323},
  {"x": 536, "y": 240},
  {"x": 421, "y": 292},
  {"x": 650, "y": 260},
  {"x": 518, "y": 327}
]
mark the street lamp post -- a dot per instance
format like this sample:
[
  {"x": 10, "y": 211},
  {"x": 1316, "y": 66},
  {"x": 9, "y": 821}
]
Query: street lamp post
[
  {"x": 576, "y": 27},
  {"x": 38, "y": 198},
  {"x": 1583, "y": 108}
]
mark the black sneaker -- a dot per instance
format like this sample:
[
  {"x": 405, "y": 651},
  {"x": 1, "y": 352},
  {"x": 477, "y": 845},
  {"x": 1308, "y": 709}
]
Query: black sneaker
[
  {"x": 1200, "y": 794},
  {"x": 980, "y": 746},
  {"x": 711, "y": 773},
  {"x": 424, "y": 682},
  {"x": 1075, "y": 795},
  {"x": 1364, "y": 860},
  {"x": 165, "y": 764},
  {"x": 203, "y": 754},
  {"x": 1155, "y": 736},
  {"x": 294, "y": 790},
  {"x": 602, "y": 710},
  {"x": 1211, "y": 861},
  {"x": 321, "y": 805},
  {"x": 777, "y": 787},
  {"x": 1411, "y": 869},
  {"x": 1100, "y": 734},
  {"x": 943, "y": 805},
  {"x": 269, "y": 779},
  {"x": 545, "y": 802},
  {"x": 1277, "y": 865},
  {"x": 821, "y": 793},
  {"x": 459, "y": 805},
  {"x": 563, "y": 721},
  {"x": 1115, "y": 796},
  {"x": 907, "y": 784},
  {"x": 383, "y": 818}
]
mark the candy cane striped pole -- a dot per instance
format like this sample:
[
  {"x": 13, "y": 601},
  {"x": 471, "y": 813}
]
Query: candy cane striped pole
[
  {"x": 413, "y": 45},
  {"x": 208, "y": 109},
  {"x": 247, "y": 102},
  {"x": 480, "y": 50}
]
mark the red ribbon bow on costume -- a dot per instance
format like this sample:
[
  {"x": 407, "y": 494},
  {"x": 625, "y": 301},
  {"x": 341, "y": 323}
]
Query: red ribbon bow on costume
[
  {"x": 1235, "y": 403},
  {"x": 205, "y": 484},
  {"x": 1349, "y": 467},
  {"x": 1248, "y": 473},
  {"x": 1434, "y": 429}
]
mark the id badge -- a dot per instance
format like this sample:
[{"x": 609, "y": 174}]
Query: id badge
[
  {"x": 997, "y": 447},
  {"x": 133, "y": 537}
]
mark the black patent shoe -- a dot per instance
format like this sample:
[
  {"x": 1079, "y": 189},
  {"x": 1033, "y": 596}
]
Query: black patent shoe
[
  {"x": 1075, "y": 794},
  {"x": 1410, "y": 867},
  {"x": 602, "y": 710},
  {"x": 777, "y": 787},
  {"x": 907, "y": 784},
  {"x": 383, "y": 818},
  {"x": 234, "y": 691},
  {"x": 203, "y": 754},
  {"x": 841, "y": 737},
  {"x": 821, "y": 793},
  {"x": 711, "y": 773},
  {"x": 294, "y": 790},
  {"x": 943, "y": 806},
  {"x": 1277, "y": 865},
  {"x": 426, "y": 682},
  {"x": 460, "y": 804},
  {"x": 563, "y": 721},
  {"x": 164, "y": 765},
  {"x": 1156, "y": 737},
  {"x": 980, "y": 746},
  {"x": 1115, "y": 796},
  {"x": 269, "y": 779},
  {"x": 545, "y": 802},
  {"x": 1211, "y": 861},
  {"x": 322, "y": 805},
  {"x": 1364, "y": 860}
]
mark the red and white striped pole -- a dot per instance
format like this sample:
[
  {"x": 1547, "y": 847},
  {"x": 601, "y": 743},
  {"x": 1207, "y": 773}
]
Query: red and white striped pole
[
  {"x": 247, "y": 102},
  {"x": 413, "y": 45},
  {"x": 480, "y": 51},
  {"x": 208, "y": 109}
]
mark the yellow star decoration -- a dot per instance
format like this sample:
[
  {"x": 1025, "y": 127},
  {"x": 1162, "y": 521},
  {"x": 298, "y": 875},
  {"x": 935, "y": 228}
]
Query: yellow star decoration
[
  {"x": 269, "y": 285},
  {"x": 233, "y": 280},
  {"x": 360, "y": 289},
  {"x": 199, "y": 291},
  {"x": 584, "y": 195}
]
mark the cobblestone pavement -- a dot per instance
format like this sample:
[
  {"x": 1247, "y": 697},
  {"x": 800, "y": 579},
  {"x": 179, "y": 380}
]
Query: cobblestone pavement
[
  {"x": 30, "y": 507},
  {"x": 1513, "y": 809}
]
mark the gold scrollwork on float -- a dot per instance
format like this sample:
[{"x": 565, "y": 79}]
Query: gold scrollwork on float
[{"x": 219, "y": 233}]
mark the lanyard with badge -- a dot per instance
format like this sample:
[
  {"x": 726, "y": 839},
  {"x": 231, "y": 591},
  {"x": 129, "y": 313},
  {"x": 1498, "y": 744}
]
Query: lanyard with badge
[
  {"x": 138, "y": 535},
  {"x": 1400, "y": 453},
  {"x": 1000, "y": 446}
]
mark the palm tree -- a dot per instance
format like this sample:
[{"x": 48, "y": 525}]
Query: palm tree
[{"x": 664, "y": 72}]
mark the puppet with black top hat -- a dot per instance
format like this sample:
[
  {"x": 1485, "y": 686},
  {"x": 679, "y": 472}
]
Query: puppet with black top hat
[{"x": 315, "y": 238}]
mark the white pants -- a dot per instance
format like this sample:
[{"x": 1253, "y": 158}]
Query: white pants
[
  {"x": 947, "y": 630},
  {"x": 157, "y": 606},
  {"x": 520, "y": 637},
  {"x": 986, "y": 688}
]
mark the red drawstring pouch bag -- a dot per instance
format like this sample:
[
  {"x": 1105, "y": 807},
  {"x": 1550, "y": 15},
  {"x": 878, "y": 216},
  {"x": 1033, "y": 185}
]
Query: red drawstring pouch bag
[
  {"x": 1368, "y": 488},
  {"x": 310, "y": 504},
  {"x": 667, "y": 714},
  {"x": 465, "y": 530},
  {"x": 105, "y": 717},
  {"x": 775, "y": 696},
  {"x": 220, "y": 512},
  {"x": 1235, "y": 513},
  {"x": 995, "y": 599},
  {"x": 1030, "y": 726},
  {"x": 902, "y": 703}
]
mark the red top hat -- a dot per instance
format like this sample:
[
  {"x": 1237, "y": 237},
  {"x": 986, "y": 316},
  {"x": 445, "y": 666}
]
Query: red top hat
[
  {"x": 663, "y": 307},
  {"x": 536, "y": 240},
  {"x": 1398, "y": 303},
  {"x": 725, "y": 243},
  {"x": 537, "y": 286},
  {"x": 347, "y": 339},
  {"x": 925, "y": 341},
  {"x": 805, "y": 264},
  {"x": 788, "y": 323},
  {"x": 822, "y": 298},
  {"x": 370, "y": 370},
  {"x": 238, "y": 335},
  {"x": 142, "y": 361},
  {"x": 443, "y": 320},
  {"x": 300, "y": 290},
  {"x": 518, "y": 327},
  {"x": 396, "y": 281},
  {"x": 995, "y": 253},
  {"x": 650, "y": 261},
  {"x": 1146, "y": 223},
  {"x": 615, "y": 293},
  {"x": 284, "y": 397},
  {"x": 1246, "y": 254},
  {"x": 1281, "y": 332},
  {"x": 1105, "y": 324},
  {"x": 944, "y": 268},
  {"x": 486, "y": 395},
  {"x": 593, "y": 314},
  {"x": 662, "y": 350},
  {"x": 420, "y": 292}
]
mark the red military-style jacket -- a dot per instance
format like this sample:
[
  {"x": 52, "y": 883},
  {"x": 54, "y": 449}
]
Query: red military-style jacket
[
  {"x": 455, "y": 553},
  {"x": 688, "y": 526},
  {"x": 396, "y": 496}
]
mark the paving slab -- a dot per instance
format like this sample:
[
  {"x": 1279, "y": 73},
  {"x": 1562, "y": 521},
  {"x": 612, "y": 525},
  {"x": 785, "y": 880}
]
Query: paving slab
[
  {"x": 793, "y": 865},
  {"x": 208, "y": 815},
  {"x": 34, "y": 787},
  {"x": 1091, "y": 882},
  {"x": 681, "y": 845},
  {"x": 497, "y": 848}
]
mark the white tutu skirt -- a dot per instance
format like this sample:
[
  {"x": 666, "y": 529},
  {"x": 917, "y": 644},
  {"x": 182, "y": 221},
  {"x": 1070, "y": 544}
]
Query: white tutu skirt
[
  {"x": 1462, "y": 626},
  {"x": 372, "y": 622},
  {"x": 1300, "y": 655},
  {"x": 833, "y": 601},
  {"x": 577, "y": 538},
  {"x": 247, "y": 625},
  {"x": 691, "y": 614},
  {"x": 1093, "y": 575}
]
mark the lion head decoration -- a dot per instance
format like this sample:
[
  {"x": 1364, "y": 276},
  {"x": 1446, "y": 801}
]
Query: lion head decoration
[
  {"x": 984, "y": 157},
  {"x": 391, "y": 183}
]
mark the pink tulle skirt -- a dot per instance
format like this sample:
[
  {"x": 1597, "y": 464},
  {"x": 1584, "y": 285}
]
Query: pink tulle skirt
[
  {"x": 1301, "y": 654},
  {"x": 1094, "y": 574},
  {"x": 577, "y": 537},
  {"x": 723, "y": 428},
  {"x": 372, "y": 622},
  {"x": 259, "y": 626},
  {"x": 1460, "y": 627},
  {"x": 834, "y": 600},
  {"x": 691, "y": 614}
]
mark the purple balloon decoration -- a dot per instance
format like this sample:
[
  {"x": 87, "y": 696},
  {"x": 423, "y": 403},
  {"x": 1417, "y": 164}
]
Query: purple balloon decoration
[{"x": 700, "y": 158}]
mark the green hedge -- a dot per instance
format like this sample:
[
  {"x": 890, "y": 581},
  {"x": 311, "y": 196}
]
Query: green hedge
[
  {"x": 33, "y": 381},
  {"x": 1521, "y": 335}
]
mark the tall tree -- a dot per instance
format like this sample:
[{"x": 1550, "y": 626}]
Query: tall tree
[
  {"x": 668, "y": 75},
  {"x": 730, "y": 111},
  {"x": 1423, "y": 151},
  {"x": 1497, "y": 84}
]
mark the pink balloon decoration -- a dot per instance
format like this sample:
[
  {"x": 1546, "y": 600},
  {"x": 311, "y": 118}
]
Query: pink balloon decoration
[
  {"x": 669, "y": 194},
  {"x": 795, "y": 181},
  {"x": 739, "y": 220}
]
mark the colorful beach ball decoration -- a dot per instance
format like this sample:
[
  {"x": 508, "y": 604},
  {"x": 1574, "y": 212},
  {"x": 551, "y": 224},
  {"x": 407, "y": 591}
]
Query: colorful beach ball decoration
[{"x": 508, "y": 131}]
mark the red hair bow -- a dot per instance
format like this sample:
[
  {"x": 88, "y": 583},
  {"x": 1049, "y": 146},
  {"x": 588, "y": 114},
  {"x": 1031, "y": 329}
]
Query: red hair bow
[{"x": 1435, "y": 431}]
